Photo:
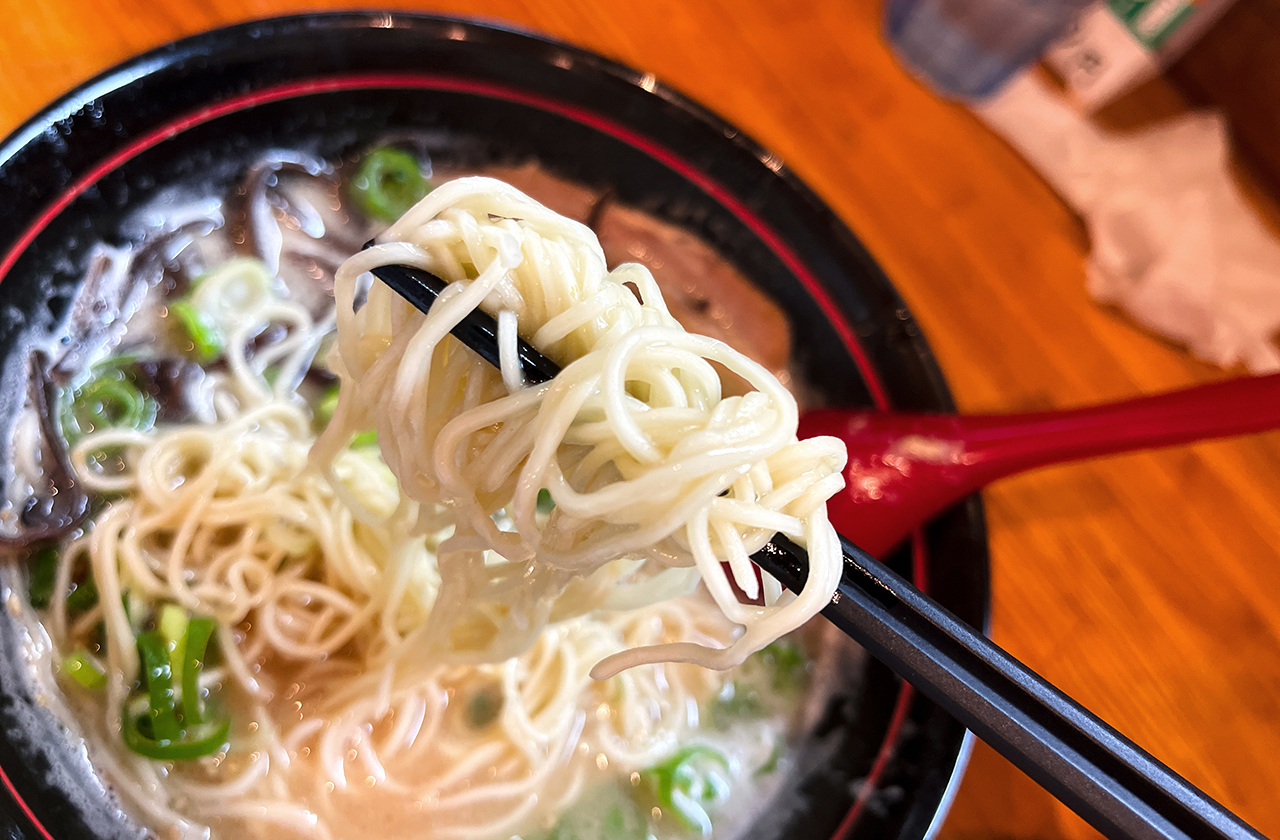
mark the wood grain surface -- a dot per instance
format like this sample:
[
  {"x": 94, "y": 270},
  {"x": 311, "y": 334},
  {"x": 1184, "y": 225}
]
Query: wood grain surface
[{"x": 1147, "y": 586}]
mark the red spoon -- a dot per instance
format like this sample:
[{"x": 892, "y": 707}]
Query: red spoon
[{"x": 906, "y": 468}]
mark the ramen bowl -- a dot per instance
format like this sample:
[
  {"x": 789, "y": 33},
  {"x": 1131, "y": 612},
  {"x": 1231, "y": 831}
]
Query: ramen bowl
[{"x": 875, "y": 760}]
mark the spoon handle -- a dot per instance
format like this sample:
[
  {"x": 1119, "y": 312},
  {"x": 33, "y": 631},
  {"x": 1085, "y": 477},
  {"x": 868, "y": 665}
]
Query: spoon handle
[
  {"x": 1113, "y": 784},
  {"x": 1217, "y": 409},
  {"x": 906, "y": 468}
]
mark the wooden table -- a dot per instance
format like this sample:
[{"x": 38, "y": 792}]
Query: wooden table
[{"x": 1147, "y": 585}]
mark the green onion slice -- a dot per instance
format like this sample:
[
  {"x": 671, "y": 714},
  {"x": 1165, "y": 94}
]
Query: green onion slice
[
  {"x": 85, "y": 670},
  {"x": 197, "y": 742},
  {"x": 84, "y": 597},
  {"x": 172, "y": 624},
  {"x": 42, "y": 575},
  {"x": 364, "y": 440},
  {"x": 206, "y": 339},
  {"x": 484, "y": 707},
  {"x": 326, "y": 407},
  {"x": 388, "y": 182},
  {"x": 606, "y": 813},
  {"x": 691, "y": 785},
  {"x": 787, "y": 664},
  {"x": 199, "y": 631},
  {"x": 152, "y": 727},
  {"x": 110, "y": 399},
  {"x": 158, "y": 676}
]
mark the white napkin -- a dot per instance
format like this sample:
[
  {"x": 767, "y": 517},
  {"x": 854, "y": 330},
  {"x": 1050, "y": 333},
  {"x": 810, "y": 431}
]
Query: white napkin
[{"x": 1175, "y": 244}]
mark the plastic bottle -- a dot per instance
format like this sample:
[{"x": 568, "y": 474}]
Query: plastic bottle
[{"x": 967, "y": 49}]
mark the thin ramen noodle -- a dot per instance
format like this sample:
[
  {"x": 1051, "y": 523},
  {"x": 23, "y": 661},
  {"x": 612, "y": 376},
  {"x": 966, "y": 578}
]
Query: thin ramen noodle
[{"x": 341, "y": 577}]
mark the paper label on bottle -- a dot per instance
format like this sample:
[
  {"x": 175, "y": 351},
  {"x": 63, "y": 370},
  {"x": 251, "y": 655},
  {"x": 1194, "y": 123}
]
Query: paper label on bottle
[
  {"x": 1152, "y": 21},
  {"x": 1118, "y": 44},
  {"x": 1100, "y": 59}
]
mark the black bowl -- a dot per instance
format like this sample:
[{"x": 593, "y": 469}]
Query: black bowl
[{"x": 882, "y": 761}]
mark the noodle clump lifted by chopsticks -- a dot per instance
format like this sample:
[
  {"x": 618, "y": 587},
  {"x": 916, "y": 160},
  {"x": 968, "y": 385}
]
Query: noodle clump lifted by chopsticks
[{"x": 657, "y": 479}]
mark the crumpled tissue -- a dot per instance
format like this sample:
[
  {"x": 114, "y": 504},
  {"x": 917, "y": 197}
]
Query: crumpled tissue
[{"x": 1174, "y": 242}]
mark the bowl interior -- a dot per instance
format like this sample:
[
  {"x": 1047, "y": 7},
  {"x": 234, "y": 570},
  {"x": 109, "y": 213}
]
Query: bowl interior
[{"x": 879, "y": 760}]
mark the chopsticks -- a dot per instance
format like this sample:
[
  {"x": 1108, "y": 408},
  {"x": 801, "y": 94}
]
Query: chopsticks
[
  {"x": 1117, "y": 787},
  {"x": 1090, "y": 767}
]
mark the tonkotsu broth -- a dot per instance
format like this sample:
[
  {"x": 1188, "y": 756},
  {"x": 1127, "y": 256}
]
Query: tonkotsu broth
[{"x": 528, "y": 747}]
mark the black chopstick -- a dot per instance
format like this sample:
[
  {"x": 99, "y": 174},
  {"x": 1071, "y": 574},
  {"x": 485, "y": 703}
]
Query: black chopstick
[
  {"x": 1116, "y": 786},
  {"x": 1104, "y": 777}
]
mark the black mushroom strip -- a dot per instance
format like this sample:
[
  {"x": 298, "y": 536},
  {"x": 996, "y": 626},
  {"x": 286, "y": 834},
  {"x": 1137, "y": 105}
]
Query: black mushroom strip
[
  {"x": 174, "y": 383},
  {"x": 274, "y": 214},
  {"x": 109, "y": 287},
  {"x": 113, "y": 290},
  {"x": 256, "y": 206},
  {"x": 59, "y": 505},
  {"x": 167, "y": 258}
]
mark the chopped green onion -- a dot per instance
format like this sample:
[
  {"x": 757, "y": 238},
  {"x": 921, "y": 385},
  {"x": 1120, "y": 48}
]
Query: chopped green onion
[
  {"x": 775, "y": 756},
  {"x": 84, "y": 597},
  {"x": 787, "y": 663},
  {"x": 43, "y": 573},
  {"x": 605, "y": 813},
  {"x": 326, "y": 407},
  {"x": 221, "y": 299},
  {"x": 136, "y": 609},
  {"x": 483, "y": 708},
  {"x": 764, "y": 685},
  {"x": 82, "y": 668},
  {"x": 388, "y": 182},
  {"x": 364, "y": 440},
  {"x": 206, "y": 339},
  {"x": 153, "y": 726},
  {"x": 737, "y": 699},
  {"x": 199, "y": 631},
  {"x": 197, "y": 742},
  {"x": 158, "y": 676},
  {"x": 546, "y": 504},
  {"x": 172, "y": 625},
  {"x": 691, "y": 785},
  {"x": 122, "y": 365},
  {"x": 111, "y": 399}
]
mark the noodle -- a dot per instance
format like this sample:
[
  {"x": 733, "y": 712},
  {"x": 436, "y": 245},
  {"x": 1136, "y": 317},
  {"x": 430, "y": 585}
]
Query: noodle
[
  {"x": 400, "y": 629},
  {"x": 641, "y": 454}
]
